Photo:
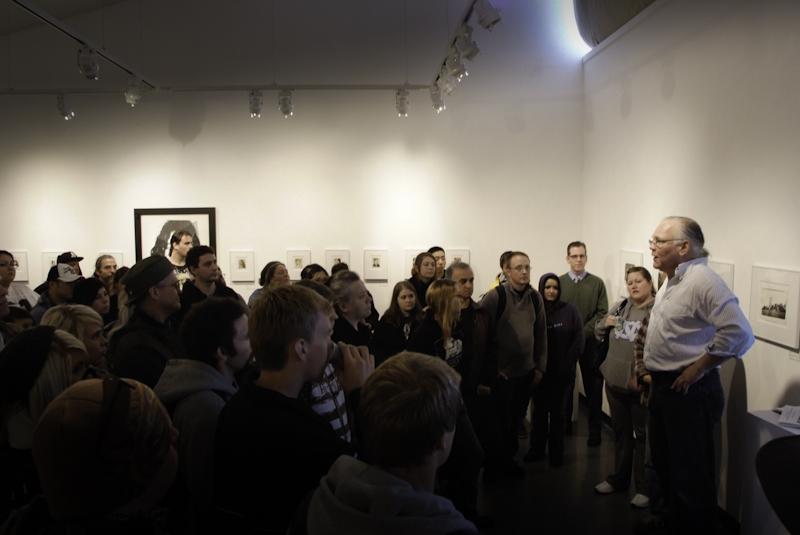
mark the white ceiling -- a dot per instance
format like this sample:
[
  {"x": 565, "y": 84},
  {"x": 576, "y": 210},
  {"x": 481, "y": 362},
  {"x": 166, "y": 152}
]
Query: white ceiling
[{"x": 199, "y": 43}]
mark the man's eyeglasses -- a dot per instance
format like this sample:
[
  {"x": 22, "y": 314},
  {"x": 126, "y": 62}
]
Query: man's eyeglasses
[
  {"x": 12, "y": 263},
  {"x": 658, "y": 243},
  {"x": 521, "y": 269}
]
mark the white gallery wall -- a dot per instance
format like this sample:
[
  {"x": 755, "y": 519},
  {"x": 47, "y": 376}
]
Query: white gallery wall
[
  {"x": 495, "y": 171},
  {"x": 694, "y": 111}
]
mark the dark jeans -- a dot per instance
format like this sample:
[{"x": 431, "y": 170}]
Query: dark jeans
[
  {"x": 682, "y": 447},
  {"x": 629, "y": 420},
  {"x": 459, "y": 474},
  {"x": 592, "y": 385},
  {"x": 549, "y": 409},
  {"x": 512, "y": 397}
]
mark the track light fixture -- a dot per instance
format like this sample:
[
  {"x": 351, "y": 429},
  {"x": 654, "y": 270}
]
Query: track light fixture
[
  {"x": 455, "y": 67},
  {"x": 87, "y": 63},
  {"x": 436, "y": 99},
  {"x": 464, "y": 43},
  {"x": 133, "y": 93},
  {"x": 488, "y": 15},
  {"x": 65, "y": 112},
  {"x": 401, "y": 102},
  {"x": 285, "y": 103},
  {"x": 444, "y": 82},
  {"x": 256, "y": 102}
]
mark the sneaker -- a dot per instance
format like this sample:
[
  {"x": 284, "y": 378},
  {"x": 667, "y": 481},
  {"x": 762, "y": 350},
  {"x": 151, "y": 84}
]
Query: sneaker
[
  {"x": 640, "y": 501},
  {"x": 604, "y": 487}
]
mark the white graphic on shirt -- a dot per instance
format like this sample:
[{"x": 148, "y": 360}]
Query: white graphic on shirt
[{"x": 628, "y": 330}]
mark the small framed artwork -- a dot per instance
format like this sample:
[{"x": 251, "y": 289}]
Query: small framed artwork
[
  {"x": 296, "y": 260},
  {"x": 49, "y": 259},
  {"x": 21, "y": 257},
  {"x": 336, "y": 256},
  {"x": 154, "y": 227},
  {"x": 724, "y": 270},
  {"x": 627, "y": 260},
  {"x": 118, "y": 256},
  {"x": 774, "y": 300},
  {"x": 241, "y": 266},
  {"x": 376, "y": 264},
  {"x": 408, "y": 260},
  {"x": 456, "y": 255}
]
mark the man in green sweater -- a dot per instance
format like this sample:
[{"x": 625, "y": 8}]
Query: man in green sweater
[{"x": 588, "y": 293}]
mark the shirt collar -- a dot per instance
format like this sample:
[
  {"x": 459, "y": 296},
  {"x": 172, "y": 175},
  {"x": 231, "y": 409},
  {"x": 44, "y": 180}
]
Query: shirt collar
[
  {"x": 683, "y": 267},
  {"x": 576, "y": 277}
]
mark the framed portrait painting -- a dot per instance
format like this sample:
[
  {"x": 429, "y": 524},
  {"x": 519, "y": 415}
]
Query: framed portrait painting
[
  {"x": 336, "y": 256},
  {"x": 774, "y": 300},
  {"x": 241, "y": 266},
  {"x": 154, "y": 227},
  {"x": 296, "y": 260}
]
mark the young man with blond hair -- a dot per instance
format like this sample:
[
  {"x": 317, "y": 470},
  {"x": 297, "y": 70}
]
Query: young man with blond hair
[{"x": 271, "y": 448}]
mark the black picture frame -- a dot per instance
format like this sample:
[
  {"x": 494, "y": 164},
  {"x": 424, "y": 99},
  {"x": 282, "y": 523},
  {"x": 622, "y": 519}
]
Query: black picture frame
[{"x": 201, "y": 222}]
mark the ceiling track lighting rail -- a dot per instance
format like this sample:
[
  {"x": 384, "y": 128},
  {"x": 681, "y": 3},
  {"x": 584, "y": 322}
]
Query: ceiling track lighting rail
[
  {"x": 451, "y": 71},
  {"x": 87, "y": 48}
]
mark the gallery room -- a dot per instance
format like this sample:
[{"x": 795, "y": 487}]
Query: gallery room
[{"x": 309, "y": 130}]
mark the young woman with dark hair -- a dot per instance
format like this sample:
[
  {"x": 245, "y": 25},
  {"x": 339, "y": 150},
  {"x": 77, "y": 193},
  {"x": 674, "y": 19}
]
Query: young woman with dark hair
[
  {"x": 397, "y": 323},
  {"x": 274, "y": 274},
  {"x": 564, "y": 344},
  {"x": 423, "y": 274}
]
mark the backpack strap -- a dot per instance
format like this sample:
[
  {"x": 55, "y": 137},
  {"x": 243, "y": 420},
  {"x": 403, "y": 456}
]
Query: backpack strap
[{"x": 501, "y": 302}]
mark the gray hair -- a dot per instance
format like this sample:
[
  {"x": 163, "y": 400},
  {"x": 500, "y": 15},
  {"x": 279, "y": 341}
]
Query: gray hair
[
  {"x": 690, "y": 231},
  {"x": 448, "y": 273}
]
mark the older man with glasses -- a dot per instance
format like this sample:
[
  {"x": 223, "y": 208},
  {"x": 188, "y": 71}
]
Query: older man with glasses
[{"x": 695, "y": 326}]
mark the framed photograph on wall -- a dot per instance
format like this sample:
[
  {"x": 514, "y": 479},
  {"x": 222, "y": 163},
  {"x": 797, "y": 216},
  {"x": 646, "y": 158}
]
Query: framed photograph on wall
[
  {"x": 153, "y": 228},
  {"x": 376, "y": 264},
  {"x": 774, "y": 301},
  {"x": 241, "y": 265},
  {"x": 456, "y": 255},
  {"x": 296, "y": 260},
  {"x": 627, "y": 260},
  {"x": 724, "y": 270},
  {"x": 336, "y": 256},
  {"x": 49, "y": 259},
  {"x": 21, "y": 258}
]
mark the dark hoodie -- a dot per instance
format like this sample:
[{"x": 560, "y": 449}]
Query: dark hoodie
[{"x": 564, "y": 328}]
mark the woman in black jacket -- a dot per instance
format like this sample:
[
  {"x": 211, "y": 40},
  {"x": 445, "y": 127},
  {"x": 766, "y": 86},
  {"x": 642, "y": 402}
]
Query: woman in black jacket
[
  {"x": 397, "y": 323},
  {"x": 423, "y": 274},
  {"x": 564, "y": 344}
]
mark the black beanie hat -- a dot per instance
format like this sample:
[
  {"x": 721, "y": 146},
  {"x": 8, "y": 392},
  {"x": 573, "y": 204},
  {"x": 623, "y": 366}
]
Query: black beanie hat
[
  {"x": 22, "y": 360},
  {"x": 144, "y": 275},
  {"x": 86, "y": 291}
]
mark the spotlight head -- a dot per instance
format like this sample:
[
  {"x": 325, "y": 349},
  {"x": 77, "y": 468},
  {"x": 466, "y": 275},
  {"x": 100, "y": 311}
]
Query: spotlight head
[
  {"x": 133, "y": 93},
  {"x": 87, "y": 63},
  {"x": 285, "y": 103},
  {"x": 256, "y": 102},
  {"x": 444, "y": 82},
  {"x": 436, "y": 99},
  {"x": 65, "y": 112},
  {"x": 464, "y": 43},
  {"x": 401, "y": 102},
  {"x": 455, "y": 67},
  {"x": 488, "y": 15}
]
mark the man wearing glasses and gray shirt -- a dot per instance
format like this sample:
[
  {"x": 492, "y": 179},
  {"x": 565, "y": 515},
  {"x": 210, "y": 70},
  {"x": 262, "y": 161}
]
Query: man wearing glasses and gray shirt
[{"x": 695, "y": 326}]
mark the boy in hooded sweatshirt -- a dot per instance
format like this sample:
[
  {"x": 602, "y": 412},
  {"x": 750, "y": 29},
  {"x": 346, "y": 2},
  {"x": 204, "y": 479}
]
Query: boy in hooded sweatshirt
[{"x": 409, "y": 408}]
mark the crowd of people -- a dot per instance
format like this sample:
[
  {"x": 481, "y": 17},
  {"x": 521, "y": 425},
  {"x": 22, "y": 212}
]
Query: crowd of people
[{"x": 156, "y": 399}]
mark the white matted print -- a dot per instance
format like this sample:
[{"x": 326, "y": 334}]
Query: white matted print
[
  {"x": 774, "y": 301},
  {"x": 456, "y": 255},
  {"x": 49, "y": 259},
  {"x": 241, "y": 266},
  {"x": 21, "y": 258},
  {"x": 627, "y": 260},
  {"x": 408, "y": 260},
  {"x": 376, "y": 264},
  {"x": 336, "y": 256},
  {"x": 296, "y": 260},
  {"x": 724, "y": 270}
]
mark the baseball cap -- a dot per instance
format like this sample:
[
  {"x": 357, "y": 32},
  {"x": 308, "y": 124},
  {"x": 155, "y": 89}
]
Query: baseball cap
[{"x": 69, "y": 256}]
